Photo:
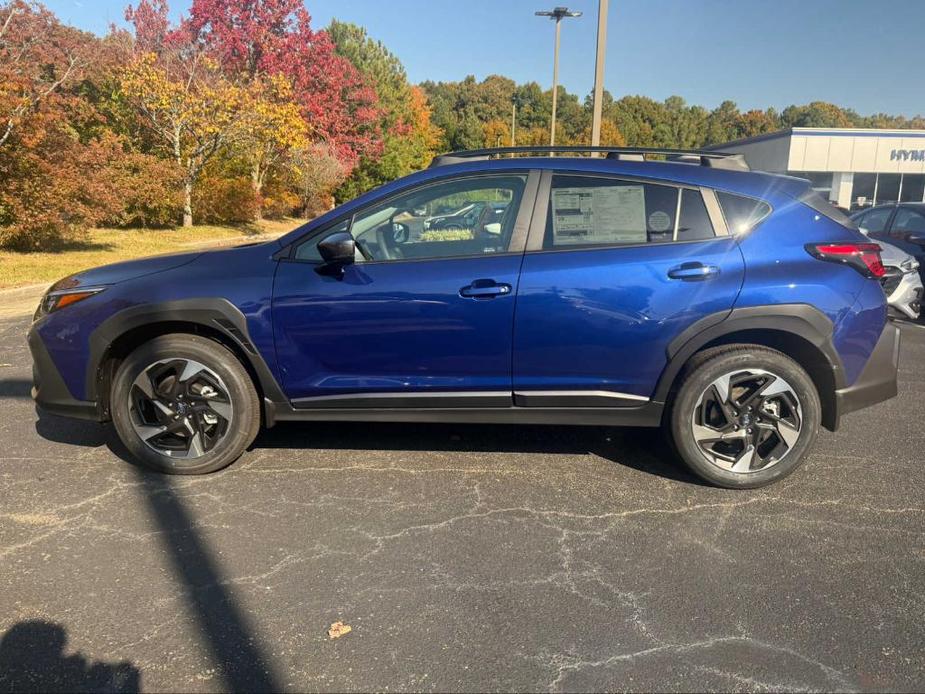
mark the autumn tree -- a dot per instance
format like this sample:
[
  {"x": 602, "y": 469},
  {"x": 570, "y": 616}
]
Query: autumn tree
[
  {"x": 251, "y": 38},
  {"x": 409, "y": 137},
  {"x": 610, "y": 135},
  {"x": 273, "y": 128},
  {"x": 188, "y": 104},
  {"x": 38, "y": 55},
  {"x": 317, "y": 171}
]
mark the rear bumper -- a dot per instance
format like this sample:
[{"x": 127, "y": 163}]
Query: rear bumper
[
  {"x": 877, "y": 381},
  {"x": 48, "y": 388}
]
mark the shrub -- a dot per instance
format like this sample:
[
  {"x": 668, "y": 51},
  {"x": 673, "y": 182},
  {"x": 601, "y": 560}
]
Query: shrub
[
  {"x": 54, "y": 187},
  {"x": 279, "y": 202},
  {"x": 224, "y": 200},
  {"x": 150, "y": 191}
]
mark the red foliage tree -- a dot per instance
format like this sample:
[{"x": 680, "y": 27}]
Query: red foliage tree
[
  {"x": 269, "y": 37},
  {"x": 38, "y": 56}
]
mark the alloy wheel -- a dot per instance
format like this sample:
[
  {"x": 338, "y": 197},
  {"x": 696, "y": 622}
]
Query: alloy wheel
[
  {"x": 747, "y": 421},
  {"x": 180, "y": 408}
]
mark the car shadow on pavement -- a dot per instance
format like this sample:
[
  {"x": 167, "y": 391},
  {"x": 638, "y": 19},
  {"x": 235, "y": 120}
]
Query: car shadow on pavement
[
  {"x": 642, "y": 449},
  {"x": 32, "y": 659}
]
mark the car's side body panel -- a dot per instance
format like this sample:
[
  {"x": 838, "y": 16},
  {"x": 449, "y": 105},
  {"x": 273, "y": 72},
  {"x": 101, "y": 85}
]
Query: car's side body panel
[
  {"x": 242, "y": 277},
  {"x": 780, "y": 271},
  {"x": 394, "y": 327},
  {"x": 601, "y": 319}
]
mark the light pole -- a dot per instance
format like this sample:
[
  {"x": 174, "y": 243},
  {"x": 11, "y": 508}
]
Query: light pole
[
  {"x": 599, "y": 72},
  {"x": 558, "y": 14}
]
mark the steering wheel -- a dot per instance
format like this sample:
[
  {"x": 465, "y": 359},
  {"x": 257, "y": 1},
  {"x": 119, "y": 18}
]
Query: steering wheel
[{"x": 385, "y": 237}]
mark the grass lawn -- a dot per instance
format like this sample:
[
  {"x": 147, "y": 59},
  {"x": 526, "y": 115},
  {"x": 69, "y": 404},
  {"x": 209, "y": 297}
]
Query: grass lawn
[{"x": 112, "y": 245}]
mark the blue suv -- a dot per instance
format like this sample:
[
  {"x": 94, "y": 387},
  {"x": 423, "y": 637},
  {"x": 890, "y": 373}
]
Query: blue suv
[{"x": 738, "y": 310}]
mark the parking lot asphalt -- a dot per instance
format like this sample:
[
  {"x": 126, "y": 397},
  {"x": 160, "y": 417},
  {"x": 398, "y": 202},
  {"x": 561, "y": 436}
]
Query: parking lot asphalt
[{"x": 468, "y": 558}]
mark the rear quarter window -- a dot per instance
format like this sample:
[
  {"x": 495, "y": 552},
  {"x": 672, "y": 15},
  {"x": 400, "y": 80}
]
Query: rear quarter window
[{"x": 742, "y": 213}]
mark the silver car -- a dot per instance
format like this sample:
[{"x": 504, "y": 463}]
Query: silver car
[{"x": 901, "y": 284}]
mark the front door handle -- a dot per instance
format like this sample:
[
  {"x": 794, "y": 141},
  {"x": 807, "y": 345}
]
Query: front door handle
[
  {"x": 693, "y": 272},
  {"x": 484, "y": 289}
]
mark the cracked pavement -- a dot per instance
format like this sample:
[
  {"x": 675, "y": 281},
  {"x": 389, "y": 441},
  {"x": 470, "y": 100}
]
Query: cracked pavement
[{"x": 466, "y": 558}]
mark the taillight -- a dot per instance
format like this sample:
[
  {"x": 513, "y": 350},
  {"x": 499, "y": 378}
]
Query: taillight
[{"x": 863, "y": 257}]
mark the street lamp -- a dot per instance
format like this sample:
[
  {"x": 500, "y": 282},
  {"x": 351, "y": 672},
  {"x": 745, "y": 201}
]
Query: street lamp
[
  {"x": 558, "y": 14},
  {"x": 599, "y": 73}
]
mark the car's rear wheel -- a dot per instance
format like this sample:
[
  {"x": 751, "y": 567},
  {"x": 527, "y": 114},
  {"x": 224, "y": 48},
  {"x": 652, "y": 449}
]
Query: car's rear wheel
[
  {"x": 744, "y": 416},
  {"x": 184, "y": 404}
]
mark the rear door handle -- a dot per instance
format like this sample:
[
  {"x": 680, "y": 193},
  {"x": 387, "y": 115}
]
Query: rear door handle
[
  {"x": 693, "y": 272},
  {"x": 484, "y": 289}
]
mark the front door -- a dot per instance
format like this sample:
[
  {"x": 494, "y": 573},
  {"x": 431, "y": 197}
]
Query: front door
[
  {"x": 619, "y": 270},
  {"x": 424, "y": 316}
]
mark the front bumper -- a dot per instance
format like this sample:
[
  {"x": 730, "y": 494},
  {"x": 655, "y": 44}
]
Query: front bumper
[
  {"x": 48, "y": 388},
  {"x": 877, "y": 381}
]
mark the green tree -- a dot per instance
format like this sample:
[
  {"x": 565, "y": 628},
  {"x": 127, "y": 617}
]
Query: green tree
[
  {"x": 818, "y": 114},
  {"x": 409, "y": 137}
]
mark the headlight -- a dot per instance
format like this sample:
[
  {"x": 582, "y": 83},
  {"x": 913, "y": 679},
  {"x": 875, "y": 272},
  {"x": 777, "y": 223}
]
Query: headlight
[{"x": 55, "y": 300}]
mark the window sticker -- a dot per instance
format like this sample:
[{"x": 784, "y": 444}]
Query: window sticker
[
  {"x": 659, "y": 222},
  {"x": 603, "y": 215}
]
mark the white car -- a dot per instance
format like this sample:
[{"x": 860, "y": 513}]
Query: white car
[{"x": 901, "y": 284}]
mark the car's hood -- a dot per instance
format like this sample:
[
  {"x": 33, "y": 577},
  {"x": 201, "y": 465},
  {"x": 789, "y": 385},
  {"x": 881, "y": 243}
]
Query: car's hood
[{"x": 128, "y": 270}]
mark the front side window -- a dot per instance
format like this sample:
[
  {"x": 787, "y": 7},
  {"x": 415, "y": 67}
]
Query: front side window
[
  {"x": 460, "y": 217},
  {"x": 591, "y": 211}
]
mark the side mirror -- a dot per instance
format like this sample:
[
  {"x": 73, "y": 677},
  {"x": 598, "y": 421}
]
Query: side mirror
[{"x": 338, "y": 248}]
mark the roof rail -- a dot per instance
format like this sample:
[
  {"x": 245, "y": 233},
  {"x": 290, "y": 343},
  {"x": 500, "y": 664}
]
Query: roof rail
[{"x": 713, "y": 159}]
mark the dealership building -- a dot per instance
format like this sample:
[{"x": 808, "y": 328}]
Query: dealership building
[{"x": 852, "y": 167}]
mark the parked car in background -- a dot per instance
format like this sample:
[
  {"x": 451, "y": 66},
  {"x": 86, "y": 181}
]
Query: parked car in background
[
  {"x": 901, "y": 283},
  {"x": 901, "y": 225},
  {"x": 737, "y": 310},
  {"x": 468, "y": 217}
]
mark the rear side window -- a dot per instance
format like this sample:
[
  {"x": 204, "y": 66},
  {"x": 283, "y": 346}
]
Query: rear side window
[
  {"x": 591, "y": 211},
  {"x": 742, "y": 213}
]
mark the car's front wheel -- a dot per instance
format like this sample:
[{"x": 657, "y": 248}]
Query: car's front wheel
[
  {"x": 744, "y": 416},
  {"x": 184, "y": 404}
]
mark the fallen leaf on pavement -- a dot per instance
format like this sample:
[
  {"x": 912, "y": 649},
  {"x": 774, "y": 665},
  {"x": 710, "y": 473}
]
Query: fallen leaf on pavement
[{"x": 339, "y": 629}]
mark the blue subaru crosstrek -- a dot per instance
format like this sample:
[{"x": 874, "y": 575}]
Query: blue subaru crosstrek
[{"x": 738, "y": 310}]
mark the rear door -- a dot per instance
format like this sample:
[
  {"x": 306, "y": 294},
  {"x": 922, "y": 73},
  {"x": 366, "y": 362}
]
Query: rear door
[
  {"x": 614, "y": 273},
  {"x": 424, "y": 316}
]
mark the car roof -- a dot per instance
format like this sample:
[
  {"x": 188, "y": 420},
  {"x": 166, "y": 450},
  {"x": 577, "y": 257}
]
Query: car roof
[{"x": 774, "y": 188}]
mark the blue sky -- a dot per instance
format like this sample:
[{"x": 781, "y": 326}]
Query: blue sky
[{"x": 862, "y": 54}]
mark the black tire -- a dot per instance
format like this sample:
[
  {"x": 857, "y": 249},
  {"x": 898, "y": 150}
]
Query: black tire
[
  {"x": 715, "y": 363},
  {"x": 239, "y": 432}
]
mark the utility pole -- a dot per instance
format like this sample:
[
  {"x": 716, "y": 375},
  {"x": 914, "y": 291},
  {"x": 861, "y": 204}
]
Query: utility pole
[
  {"x": 599, "y": 72},
  {"x": 513, "y": 122},
  {"x": 558, "y": 14}
]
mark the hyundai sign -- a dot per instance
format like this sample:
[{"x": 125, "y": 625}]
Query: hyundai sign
[{"x": 907, "y": 155}]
